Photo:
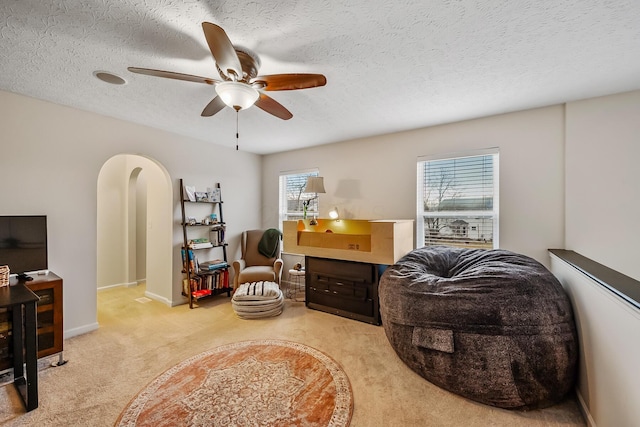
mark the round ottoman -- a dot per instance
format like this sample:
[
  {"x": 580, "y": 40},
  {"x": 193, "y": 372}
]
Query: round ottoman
[
  {"x": 255, "y": 300},
  {"x": 490, "y": 325}
]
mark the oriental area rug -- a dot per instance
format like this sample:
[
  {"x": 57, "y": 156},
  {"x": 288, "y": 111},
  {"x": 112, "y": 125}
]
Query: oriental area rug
[{"x": 249, "y": 383}]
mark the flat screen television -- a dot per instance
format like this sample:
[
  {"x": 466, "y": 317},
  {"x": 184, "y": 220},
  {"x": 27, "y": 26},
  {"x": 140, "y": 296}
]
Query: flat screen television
[{"x": 23, "y": 244}]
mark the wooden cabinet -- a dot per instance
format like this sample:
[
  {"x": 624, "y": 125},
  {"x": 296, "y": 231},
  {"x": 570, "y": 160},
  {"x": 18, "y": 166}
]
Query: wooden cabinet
[
  {"x": 345, "y": 288},
  {"x": 50, "y": 331},
  {"x": 204, "y": 249},
  {"x": 48, "y": 287}
]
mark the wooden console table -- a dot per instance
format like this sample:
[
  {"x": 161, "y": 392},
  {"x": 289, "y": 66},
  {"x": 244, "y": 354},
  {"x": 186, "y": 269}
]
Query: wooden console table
[{"x": 22, "y": 303}]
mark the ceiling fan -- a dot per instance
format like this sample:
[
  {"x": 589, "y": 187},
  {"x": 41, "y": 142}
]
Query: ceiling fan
[{"x": 240, "y": 87}]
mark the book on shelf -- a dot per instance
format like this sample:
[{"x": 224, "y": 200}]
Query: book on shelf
[
  {"x": 196, "y": 284},
  {"x": 193, "y": 261},
  {"x": 203, "y": 245},
  {"x": 200, "y": 243},
  {"x": 215, "y": 264},
  {"x": 201, "y": 293},
  {"x": 225, "y": 279}
]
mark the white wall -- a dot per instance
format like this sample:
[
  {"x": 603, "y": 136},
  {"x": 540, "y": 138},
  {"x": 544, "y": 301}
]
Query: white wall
[
  {"x": 117, "y": 232},
  {"x": 602, "y": 211},
  {"x": 51, "y": 156},
  {"x": 49, "y": 163},
  {"x": 608, "y": 328},
  {"x": 603, "y": 180},
  {"x": 375, "y": 178},
  {"x": 141, "y": 228}
]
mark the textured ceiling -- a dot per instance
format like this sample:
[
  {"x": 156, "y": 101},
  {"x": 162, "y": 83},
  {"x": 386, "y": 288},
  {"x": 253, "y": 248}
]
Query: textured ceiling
[{"x": 390, "y": 65}]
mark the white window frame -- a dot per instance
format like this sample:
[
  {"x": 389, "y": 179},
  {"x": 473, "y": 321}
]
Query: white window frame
[
  {"x": 283, "y": 212},
  {"x": 421, "y": 213}
]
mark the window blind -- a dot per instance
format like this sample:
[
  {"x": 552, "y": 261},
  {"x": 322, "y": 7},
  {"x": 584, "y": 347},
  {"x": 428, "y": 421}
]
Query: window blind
[
  {"x": 292, "y": 196},
  {"x": 457, "y": 201}
]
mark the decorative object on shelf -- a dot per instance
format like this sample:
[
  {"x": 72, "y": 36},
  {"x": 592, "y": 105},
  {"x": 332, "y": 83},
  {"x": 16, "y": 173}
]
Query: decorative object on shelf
[
  {"x": 213, "y": 195},
  {"x": 203, "y": 276},
  {"x": 4, "y": 275},
  {"x": 190, "y": 193},
  {"x": 315, "y": 184}
]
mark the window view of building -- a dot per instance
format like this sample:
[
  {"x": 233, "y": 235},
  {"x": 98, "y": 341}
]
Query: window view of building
[
  {"x": 458, "y": 201},
  {"x": 293, "y": 198}
]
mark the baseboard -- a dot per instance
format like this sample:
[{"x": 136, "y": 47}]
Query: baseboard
[
  {"x": 119, "y": 285},
  {"x": 158, "y": 298},
  {"x": 80, "y": 330},
  {"x": 585, "y": 410}
]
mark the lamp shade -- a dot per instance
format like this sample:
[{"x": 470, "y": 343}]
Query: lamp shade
[
  {"x": 315, "y": 184},
  {"x": 237, "y": 95}
]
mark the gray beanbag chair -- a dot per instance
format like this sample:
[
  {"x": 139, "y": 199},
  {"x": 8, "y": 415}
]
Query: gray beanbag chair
[{"x": 490, "y": 325}]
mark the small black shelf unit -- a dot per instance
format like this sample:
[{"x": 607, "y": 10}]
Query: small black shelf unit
[{"x": 211, "y": 277}]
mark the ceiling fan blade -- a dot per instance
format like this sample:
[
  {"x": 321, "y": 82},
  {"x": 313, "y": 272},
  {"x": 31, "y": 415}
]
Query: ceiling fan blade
[
  {"x": 213, "y": 107},
  {"x": 272, "y": 106},
  {"x": 222, "y": 50},
  {"x": 291, "y": 81},
  {"x": 172, "y": 75}
]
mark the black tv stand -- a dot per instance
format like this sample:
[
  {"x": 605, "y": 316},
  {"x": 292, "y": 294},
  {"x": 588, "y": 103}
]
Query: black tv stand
[{"x": 24, "y": 277}]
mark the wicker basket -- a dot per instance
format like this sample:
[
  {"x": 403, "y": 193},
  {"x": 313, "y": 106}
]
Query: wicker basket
[{"x": 4, "y": 275}]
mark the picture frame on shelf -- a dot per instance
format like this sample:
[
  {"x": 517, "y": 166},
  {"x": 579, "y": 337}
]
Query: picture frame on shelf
[
  {"x": 201, "y": 196},
  {"x": 213, "y": 194}
]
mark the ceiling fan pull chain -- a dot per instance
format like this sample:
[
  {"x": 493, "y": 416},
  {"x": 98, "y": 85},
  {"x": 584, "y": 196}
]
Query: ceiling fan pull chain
[{"x": 237, "y": 133}]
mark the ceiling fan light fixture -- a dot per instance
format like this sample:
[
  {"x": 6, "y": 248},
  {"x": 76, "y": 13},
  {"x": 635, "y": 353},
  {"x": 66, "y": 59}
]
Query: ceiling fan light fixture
[{"x": 237, "y": 95}]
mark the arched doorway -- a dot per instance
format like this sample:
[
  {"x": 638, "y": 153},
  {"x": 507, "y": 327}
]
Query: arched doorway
[{"x": 133, "y": 192}]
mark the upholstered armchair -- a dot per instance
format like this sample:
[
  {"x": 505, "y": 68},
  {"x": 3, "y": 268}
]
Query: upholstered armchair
[{"x": 254, "y": 265}]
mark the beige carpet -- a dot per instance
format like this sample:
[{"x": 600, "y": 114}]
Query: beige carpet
[{"x": 138, "y": 341}]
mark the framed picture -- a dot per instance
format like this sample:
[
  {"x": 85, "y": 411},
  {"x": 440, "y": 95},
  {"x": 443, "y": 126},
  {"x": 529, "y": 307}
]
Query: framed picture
[
  {"x": 201, "y": 196},
  {"x": 214, "y": 194}
]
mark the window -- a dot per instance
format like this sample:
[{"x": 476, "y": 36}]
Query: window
[
  {"x": 458, "y": 200},
  {"x": 292, "y": 196}
]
